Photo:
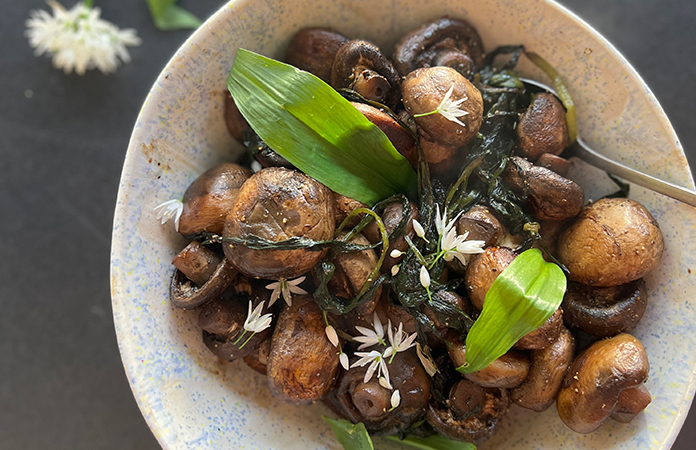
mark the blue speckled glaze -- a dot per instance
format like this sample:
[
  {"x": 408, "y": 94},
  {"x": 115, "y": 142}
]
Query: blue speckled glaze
[{"x": 192, "y": 400}]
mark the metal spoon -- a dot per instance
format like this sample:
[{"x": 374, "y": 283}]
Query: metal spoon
[{"x": 581, "y": 150}]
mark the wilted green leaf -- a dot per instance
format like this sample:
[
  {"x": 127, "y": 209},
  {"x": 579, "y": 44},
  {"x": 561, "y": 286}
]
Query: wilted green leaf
[
  {"x": 434, "y": 442},
  {"x": 317, "y": 130},
  {"x": 167, "y": 16},
  {"x": 520, "y": 300},
  {"x": 350, "y": 436}
]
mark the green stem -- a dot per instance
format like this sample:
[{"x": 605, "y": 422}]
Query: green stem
[
  {"x": 88, "y": 3},
  {"x": 247, "y": 341},
  {"x": 240, "y": 337},
  {"x": 427, "y": 114}
]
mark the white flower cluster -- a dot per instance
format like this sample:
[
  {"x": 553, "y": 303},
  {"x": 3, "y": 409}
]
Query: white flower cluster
[{"x": 78, "y": 39}]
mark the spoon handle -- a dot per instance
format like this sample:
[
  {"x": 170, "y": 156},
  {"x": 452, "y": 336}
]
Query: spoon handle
[{"x": 582, "y": 151}]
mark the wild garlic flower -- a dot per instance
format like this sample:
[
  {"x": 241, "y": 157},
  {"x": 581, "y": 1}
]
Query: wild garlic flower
[
  {"x": 396, "y": 253},
  {"x": 377, "y": 364},
  {"x": 453, "y": 245},
  {"x": 170, "y": 209},
  {"x": 343, "y": 359},
  {"x": 424, "y": 277},
  {"x": 255, "y": 322},
  {"x": 286, "y": 288},
  {"x": 331, "y": 335},
  {"x": 395, "y": 399},
  {"x": 370, "y": 337},
  {"x": 426, "y": 359},
  {"x": 448, "y": 108},
  {"x": 418, "y": 228},
  {"x": 78, "y": 39},
  {"x": 400, "y": 340},
  {"x": 394, "y": 270},
  {"x": 385, "y": 383}
]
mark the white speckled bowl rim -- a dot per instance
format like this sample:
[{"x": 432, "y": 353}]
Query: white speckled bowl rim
[{"x": 190, "y": 399}]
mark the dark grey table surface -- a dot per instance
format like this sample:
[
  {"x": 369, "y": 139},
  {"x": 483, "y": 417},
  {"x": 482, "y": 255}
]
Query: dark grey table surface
[{"x": 62, "y": 385}]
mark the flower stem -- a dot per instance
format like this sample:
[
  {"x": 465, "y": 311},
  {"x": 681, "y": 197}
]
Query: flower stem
[
  {"x": 88, "y": 3},
  {"x": 247, "y": 341},
  {"x": 427, "y": 114},
  {"x": 240, "y": 337}
]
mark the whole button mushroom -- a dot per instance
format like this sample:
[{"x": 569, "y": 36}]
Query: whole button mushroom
[
  {"x": 596, "y": 379},
  {"x": 276, "y": 204},
  {"x": 542, "y": 128},
  {"x": 605, "y": 311},
  {"x": 210, "y": 197},
  {"x": 612, "y": 242},
  {"x": 360, "y": 66},
  {"x": 401, "y": 139},
  {"x": 483, "y": 270},
  {"x": 353, "y": 271},
  {"x": 480, "y": 224},
  {"x": 550, "y": 196},
  {"x": 314, "y": 50},
  {"x": 302, "y": 363},
  {"x": 236, "y": 123},
  {"x": 543, "y": 336},
  {"x": 440, "y": 42},
  {"x": 548, "y": 367}
]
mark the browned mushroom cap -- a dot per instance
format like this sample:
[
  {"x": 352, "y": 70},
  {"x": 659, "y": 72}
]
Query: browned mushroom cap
[
  {"x": 277, "y": 204},
  {"x": 483, "y": 270},
  {"x": 352, "y": 272},
  {"x": 314, "y": 50},
  {"x": 359, "y": 65},
  {"x": 210, "y": 197},
  {"x": 264, "y": 154},
  {"x": 236, "y": 123},
  {"x": 542, "y": 128},
  {"x": 554, "y": 163},
  {"x": 185, "y": 294},
  {"x": 631, "y": 402},
  {"x": 549, "y": 231},
  {"x": 543, "y": 336},
  {"x": 612, "y": 242},
  {"x": 440, "y": 42},
  {"x": 549, "y": 366},
  {"x": 403, "y": 140},
  {"x": 441, "y": 158},
  {"x": 302, "y": 363},
  {"x": 424, "y": 89},
  {"x": 475, "y": 427},
  {"x": 258, "y": 359},
  {"x": 592, "y": 386},
  {"x": 480, "y": 224},
  {"x": 605, "y": 311},
  {"x": 345, "y": 205},
  {"x": 369, "y": 402},
  {"x": 550, "y": 196}
]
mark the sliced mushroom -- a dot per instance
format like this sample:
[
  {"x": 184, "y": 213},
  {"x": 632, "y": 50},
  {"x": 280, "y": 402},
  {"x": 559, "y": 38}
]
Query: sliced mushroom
[
  {"x": 360, "y": 66},
  {"x": 612, "y": 242},
  {"x": 483, "y": 270},
  {"x": 440, "y": 42},
  {"x": 210, "y": 197},
  {"x": 236, "y": 123},
  {"x": 595, "y": 380},
  {"x": 314, "y": 50},
  {"x": 185, "y": 294},
  {"x": 542, "y": 128},
  {"x": 402, "y": 139},
  {"x": 543, "y": 336},
  {"x": 549, "y": 195},
  {"x": 276, "y": 204},
  {"x": 302, "y": 363},
  {"x": 605, "y": 311},
  {"x": 548, "y": 367},
  {"x": 475, "y": 427},
  {"x": 631, "y": 402}
]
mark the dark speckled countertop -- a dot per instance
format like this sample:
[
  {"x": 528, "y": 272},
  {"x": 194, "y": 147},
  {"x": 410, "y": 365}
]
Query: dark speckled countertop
[{"x": 63, "y": 140}]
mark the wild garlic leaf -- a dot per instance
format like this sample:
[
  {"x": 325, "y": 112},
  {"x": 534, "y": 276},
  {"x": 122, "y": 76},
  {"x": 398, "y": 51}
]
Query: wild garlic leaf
[
  {"x": 520, "y": 300},
  {"x": 311, "y": 125},
  {"x": 350, "y": 436},
  {"x": 167, "y": 16},
  {"x": 434, "y": 442}
]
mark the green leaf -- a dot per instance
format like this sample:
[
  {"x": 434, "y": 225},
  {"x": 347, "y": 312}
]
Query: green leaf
[
  {"x": 311, "y": 125},
  {"x": 350, "y": 436},
  {"x": 434, "y": 442},
  {"x": 520, "y": 300},
  {"x": 167, "y": 16}
]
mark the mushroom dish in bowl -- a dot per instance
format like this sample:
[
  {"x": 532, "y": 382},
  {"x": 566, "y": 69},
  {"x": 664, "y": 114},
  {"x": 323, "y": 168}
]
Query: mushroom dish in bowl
[{"x": 416, "y": 287}]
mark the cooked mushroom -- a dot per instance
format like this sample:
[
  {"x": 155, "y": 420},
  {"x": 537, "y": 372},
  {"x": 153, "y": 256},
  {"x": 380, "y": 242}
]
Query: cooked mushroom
[
  {"x": 631, "y": 402},
  {"x": 210, "y": 197},
  {"x": 276, "y": 204},
  {"x": 605, "y": 311},
  {"x": 612, "y": 242},
  {"x": 402, "y": 139},
  {"x": 480, "y": 224},
  {"x": 542, "y": 128},
  {"x": 353, "y": 271},
  {"x": 479, "y": 424},
  {"x": 360, "y": 66},
  {"x": 543, "y": 336},
  {"x": 554, "y": 163},
  {"x": 185, "y": 294},
  {"x": 440, "y": 42},
  {"x": 423, "y": 91},
  {"x": 302, "y": 363},
  {"x": 197, "y": 262},
  {"x": 549, "y": 195},
  {"x": 392, "y": 216},
  {"x": 262, "y": 153},
  {"x": 548, "y": 367},
  {"x": 314, "y": 50},
  {"x": 258, "y": 359},
  {"x": 595, "y": 380},
  {"x": 369, "y": 402},
  {"x": 236, "y": 123},
  {"x": 483, "y": 270},
  {"x": 345, "y": 205},
  {"x": 549, "y": 231}
]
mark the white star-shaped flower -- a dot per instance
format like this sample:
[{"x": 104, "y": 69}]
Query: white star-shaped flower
[
  {"x": 400, "y": 341},
  {"x": 78, "y": 39},
  {"x": 168, "y": 210},
  {"x": 370, "y": 337},
  {"x": 286, "y": 288},
  {"x": 448, "y": 108},
  {"x": 377, "y": 364},
  {"x": 451, "y": 244},
  {"x": 255, "y": 322}
]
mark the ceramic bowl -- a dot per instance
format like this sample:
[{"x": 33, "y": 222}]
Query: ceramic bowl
[{"x": 191, "y": 399}]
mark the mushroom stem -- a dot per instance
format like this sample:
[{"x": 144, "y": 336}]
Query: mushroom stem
[{"x": 370, "y": 84}]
